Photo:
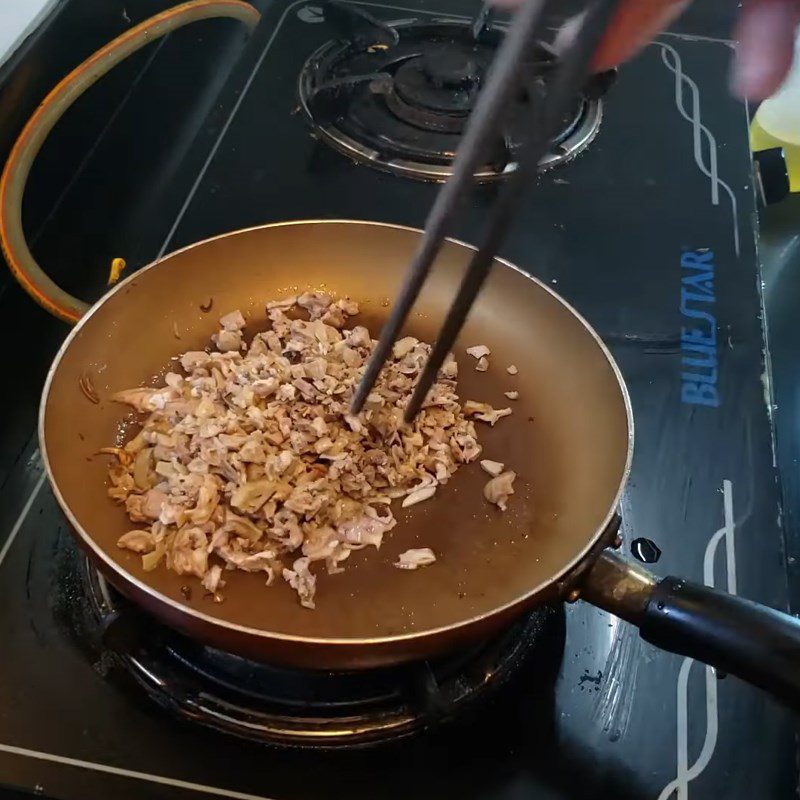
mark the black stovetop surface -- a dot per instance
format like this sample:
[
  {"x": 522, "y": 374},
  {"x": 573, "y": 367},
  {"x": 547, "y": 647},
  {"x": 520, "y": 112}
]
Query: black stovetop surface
[{"x": 600, "y": 714}]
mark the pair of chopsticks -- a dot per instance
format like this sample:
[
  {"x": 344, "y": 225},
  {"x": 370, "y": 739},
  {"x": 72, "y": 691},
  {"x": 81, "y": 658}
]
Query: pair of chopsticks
[{"x": 505, "y": 78}]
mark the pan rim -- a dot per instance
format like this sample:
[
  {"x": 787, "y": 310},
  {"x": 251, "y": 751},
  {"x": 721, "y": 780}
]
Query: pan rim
[{"x": 216, "y": 622}]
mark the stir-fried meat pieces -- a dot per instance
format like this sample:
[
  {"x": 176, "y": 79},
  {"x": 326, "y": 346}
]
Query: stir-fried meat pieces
[
  {"x": 479, "y": 351},
  {"x": 485, "y": 413},
  {"x": 248, "y": 459},
  {"x": 494, "y": 468},
  {"x": 419, "y": 557},
  {"x": 499, "y": 489}
]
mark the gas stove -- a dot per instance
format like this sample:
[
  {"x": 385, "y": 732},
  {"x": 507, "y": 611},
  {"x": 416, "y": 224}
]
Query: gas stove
[
  {"x": 397, "y": 97},
  {"x": 293, "y": 707},
  {"x": 317, "y": 122}
]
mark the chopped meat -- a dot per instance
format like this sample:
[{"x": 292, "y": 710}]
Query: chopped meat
[
  {"x": 450, "y": 368},
  {"x": 143, "y": 475},
  {"x": 472, "y": 407},
  {"x": 207, "y": 500},
  {"x": 494, "y": 415},
  {"x": 137, "y": 541},
  {"x": 484, "y": 412},
  {"x": 302, "y": 581},
  {"x": 419, "y": 557},
  {"x": 121, "y": 455},
  {"x": 494, "y": 468},
  {"x": 479, "y": 351},
  {"x": 403, "y": 347},
  {"x": 419, "y": 496},
  {"x": 212, "y": 581},
  {"x": 250, "y": 460},
  {"x": 122, "y": 484},
  {"x": 499, "y": 489},
  {"x": 482, "y": 365},
  {"x": 315, "y": 303},
  {"x": 262, "y": 561},
  {"x": 512, "y": 395},
  {"x": 233, "y": 321},
  {"x": 147, "y": 506},
  {"x": 146, "y": 399},
  {"x": 151, "y": 560},
  {"x": 282, "y": 305},
  {"x": 364, "y": 531},
  {"x": 227, "y": 341},
  {"x": 511, "y": 370},
  {"x": 248, "y": 497},
  {"x": 187, "y": 552},
  {"x": 320, "y": 544},
  {"x": 338, "y": 313},
  {"x": 194, "y": 359}
]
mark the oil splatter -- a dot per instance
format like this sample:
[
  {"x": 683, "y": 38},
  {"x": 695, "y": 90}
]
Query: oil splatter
[{"x": 590, "y": 682}]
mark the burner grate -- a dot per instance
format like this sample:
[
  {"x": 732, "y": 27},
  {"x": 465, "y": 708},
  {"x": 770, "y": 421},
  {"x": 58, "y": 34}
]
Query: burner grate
[
  {"x": 402, "y": 106},
  {"x": 302, "y": 708}
]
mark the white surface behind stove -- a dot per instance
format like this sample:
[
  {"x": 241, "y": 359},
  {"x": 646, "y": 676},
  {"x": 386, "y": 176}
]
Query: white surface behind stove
[{"x": 18, "y": 18}]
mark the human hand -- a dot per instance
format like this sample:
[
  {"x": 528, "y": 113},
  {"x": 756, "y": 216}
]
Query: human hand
[{"x": 765, "y": 32}]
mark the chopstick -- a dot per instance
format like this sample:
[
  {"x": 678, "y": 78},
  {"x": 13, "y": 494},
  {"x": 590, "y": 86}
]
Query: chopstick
[
  {"x": 502, "y": 82},
  {"x": 492, "y": 101}
]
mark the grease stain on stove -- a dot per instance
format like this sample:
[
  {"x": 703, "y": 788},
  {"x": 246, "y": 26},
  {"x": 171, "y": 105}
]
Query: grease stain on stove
[
  {"x": 590, "y": 682},
  {"x": 614, "y": 703}
]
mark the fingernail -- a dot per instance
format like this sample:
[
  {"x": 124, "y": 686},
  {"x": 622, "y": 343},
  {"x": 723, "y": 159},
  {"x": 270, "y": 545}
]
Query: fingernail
[
  {"x": 765, "y": 32},
  {"x": 750, "y": 76}
]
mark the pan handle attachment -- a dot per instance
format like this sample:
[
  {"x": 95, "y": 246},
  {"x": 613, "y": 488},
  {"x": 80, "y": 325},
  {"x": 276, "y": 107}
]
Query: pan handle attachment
[{"x": 757, "y": 644}]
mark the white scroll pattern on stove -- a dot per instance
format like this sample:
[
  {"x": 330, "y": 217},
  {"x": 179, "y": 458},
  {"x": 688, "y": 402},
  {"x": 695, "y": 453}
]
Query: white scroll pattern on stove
[
  {"x": 679, "y": 787},
  {"x": 686, "y": 88}
]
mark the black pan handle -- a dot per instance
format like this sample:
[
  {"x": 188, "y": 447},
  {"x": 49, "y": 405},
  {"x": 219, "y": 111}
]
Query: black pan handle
[
  {"x": 757, "y": 644},
  {"x": 753, "y": 642}
]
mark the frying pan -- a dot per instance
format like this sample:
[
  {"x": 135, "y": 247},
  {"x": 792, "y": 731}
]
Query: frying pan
[{"x": 569, "y": 439}]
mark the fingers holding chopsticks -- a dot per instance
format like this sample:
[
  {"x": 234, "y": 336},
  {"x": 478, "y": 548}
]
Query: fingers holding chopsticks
[{"x": 765, "y": 32}]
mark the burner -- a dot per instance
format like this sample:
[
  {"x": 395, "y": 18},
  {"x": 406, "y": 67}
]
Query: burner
[
  {"x": 402, "y": 105},
  {"x": 291, "y": 707}
]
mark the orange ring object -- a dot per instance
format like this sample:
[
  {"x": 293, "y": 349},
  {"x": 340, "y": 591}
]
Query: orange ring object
[{"x": 20, "y": 260}]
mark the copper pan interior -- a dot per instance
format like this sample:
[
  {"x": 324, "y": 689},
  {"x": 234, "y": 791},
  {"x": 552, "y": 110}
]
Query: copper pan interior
[{"x": 567, "y": 438}]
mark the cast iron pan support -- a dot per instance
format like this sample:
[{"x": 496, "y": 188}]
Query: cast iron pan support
[{"x": 734, "y": 635}]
